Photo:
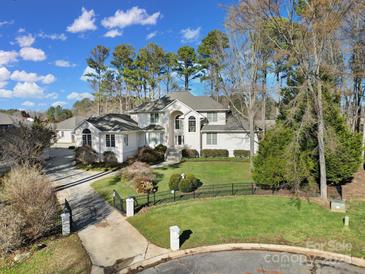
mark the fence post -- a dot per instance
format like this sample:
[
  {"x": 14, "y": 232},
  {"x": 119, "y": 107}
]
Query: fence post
[
  {"x": 252, "y": 189},
  {"x": 66, "y": 219},
  {"x": 154, "y": 197},
  {"x": 114, "y": 198},
  {"x": 148, "y": 198},
  {"x": 194, "y": 194},
  {"x": 130, "y": 207},
  {"x": 174, "y": 195},
  {"x": 232, "y": 189}
]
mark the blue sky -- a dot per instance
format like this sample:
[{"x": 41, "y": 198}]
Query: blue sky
[{"x": 44, "y": 44}]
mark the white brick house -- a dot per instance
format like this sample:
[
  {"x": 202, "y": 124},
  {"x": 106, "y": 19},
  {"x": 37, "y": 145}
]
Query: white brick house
[{"x": 177, "y": 120}]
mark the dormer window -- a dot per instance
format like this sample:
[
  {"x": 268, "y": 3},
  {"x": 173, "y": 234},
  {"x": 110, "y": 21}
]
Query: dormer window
[
  {"x": 212, "y": 117},
  {"x": 154, "y": 118}
]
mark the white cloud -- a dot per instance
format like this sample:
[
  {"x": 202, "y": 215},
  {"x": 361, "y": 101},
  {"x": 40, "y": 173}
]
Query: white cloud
[
  {"x": 4, "y": 74},
  {"x": 3, "y": 23},
  {"x": 4, "y": 93},
  {"x": 85, "y": 22},
  {"x": 23, "y": 76},
  {"x": 113, "y": 33},
  {"x": 7, "y": 57},
  {"x": 190, "y": 35},
  {"x": 59, "y": 103},
  {"x": 25, "y": 40},
  {"x": 52, "y": 95},
  {"x": 28, "y": 104},
  {"x": 28, "y": 89},
  {"x": 64, "y": 64},
  {"x": 53, "y": 36},
  {"x": 87, "y": 70},
  {"x": 79, "y": 96},
  {"x": 133, "y": 16},
  {"x": 21, "y": 30},
  {"x": 3, "y": 84},
  {"x": 151, "y": 35},
  {"x": 32, "y": 54}
]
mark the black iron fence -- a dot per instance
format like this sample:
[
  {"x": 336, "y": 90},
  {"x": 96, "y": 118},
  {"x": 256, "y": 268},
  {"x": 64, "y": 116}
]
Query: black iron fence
[{"x": 118, "y": 201}]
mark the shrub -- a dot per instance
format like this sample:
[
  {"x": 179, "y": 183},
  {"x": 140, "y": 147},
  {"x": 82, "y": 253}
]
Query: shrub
[
  {"x": 85, "y": 155},
  {"x": 174, "y": 181},
  {"x": 240, "y": 153},
  {"x": 137, "y": 169},
  {"x": 150, "y": 156},
  {"x": 109, "y": 157},
  {"x": 11, "y": 227},
  {"x": 189, "y": 183},
  {"x": 161, "y": 148},
  {"x": 33, "y": 198},
  {"x": 215, "y": 153},
  {"x": 143, "y": 184},
  {"x": 189, "y": 153},
  {"x": 71, "y": 147}
]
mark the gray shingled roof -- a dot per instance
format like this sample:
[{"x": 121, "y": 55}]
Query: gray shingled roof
[
  {"x": 232, "y": 124},
  {"x": 114, "y": 122},
  {"x": 71, "y": 123},
  {"x": 6, "y": 119},
  {"x": 198, "y": 103},
  {"x": 154, "y": 127}
]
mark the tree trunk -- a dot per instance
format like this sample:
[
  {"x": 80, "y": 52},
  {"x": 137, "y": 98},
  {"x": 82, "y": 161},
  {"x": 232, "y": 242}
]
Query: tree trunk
[
  {"x": 252, "y": 136},
  {"x": 263, "y": 107},
  {"x": 186, "y": 82},
  {"x": 321, "y": 149}
]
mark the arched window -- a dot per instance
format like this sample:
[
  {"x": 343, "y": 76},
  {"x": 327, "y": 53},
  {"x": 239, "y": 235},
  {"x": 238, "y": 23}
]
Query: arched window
[
  {"x": 178, "y": 122},
  {"x": 192, "y": 124},
  {"x": 86, "y": 137}
]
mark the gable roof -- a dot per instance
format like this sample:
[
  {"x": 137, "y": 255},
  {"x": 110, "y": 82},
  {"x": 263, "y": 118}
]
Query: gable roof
[
  {"x": 232, "y": 124},
  {"x": 6, "y": 119},
  {"x": 70, "y": 123},
  {"x": 114, "y": 122},
  {"x": 197, "y": 103}
]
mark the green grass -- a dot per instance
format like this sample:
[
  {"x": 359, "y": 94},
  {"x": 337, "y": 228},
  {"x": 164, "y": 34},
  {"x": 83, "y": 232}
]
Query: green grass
[
  {"x": 256, "y": 219},
  {"x": 62, "y": 255},
  {"x": 209, "y": 172}
]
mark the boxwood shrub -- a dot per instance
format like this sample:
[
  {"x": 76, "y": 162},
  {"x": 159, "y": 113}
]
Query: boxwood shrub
[
  {"x": 174, "y": 181},
  {"x": 189, "y": 183},
  {"x": 189, "y": 153},
  {"x": 215, "y": 153},
  {"x": 240, "y": 153}
]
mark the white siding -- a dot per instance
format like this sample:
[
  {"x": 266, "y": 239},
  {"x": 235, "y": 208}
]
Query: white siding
[
  {"x": 230, "y": 141},
  {"x": 65, "y": 137},
  {"x": 133, "y": 144}
]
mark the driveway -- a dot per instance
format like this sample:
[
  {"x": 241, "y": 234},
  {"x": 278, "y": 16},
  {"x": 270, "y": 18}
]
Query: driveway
[
  {"x": 111, "y": 242},
  {"x": 251, "y": 262}
]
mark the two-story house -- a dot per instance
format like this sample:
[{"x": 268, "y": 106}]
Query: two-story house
[{"x": 177, "y": 120}]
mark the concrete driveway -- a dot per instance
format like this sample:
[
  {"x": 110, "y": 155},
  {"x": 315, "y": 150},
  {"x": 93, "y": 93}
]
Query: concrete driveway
[
  {"x": 251, "y": 262},
  {"x": 111, "y": 242}
]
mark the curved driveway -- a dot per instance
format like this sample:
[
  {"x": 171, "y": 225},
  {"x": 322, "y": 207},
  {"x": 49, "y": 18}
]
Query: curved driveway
[{"x": 251, "y": 262}]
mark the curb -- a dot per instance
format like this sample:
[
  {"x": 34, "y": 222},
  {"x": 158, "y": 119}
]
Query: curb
[{"x": 244, "y": 246}]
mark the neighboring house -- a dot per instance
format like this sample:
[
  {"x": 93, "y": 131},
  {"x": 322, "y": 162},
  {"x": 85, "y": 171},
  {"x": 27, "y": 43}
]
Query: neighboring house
[
  {"x": 178, "y": 120},
  {"x": 112, "y": 132},
  {"x": 7, "y": 121},
  {"x": 65, "y": 130}
]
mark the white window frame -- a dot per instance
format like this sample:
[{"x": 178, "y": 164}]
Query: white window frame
[
  {"x": 212, "y": 138},
  {"x": 212, "y": 117},
  {"x": 126, "y": 140},
  {"x": 192, "y": 124},
  {"x": 110, "y": 138},
  {"x": 154, "y": 117}
]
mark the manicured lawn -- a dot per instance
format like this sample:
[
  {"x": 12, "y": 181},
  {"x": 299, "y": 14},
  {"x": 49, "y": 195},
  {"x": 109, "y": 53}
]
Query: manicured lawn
[
  {"x": 209, "y": 172},
  {"x": 62, "y": 255},
  {"x": 255, "y": 219}
]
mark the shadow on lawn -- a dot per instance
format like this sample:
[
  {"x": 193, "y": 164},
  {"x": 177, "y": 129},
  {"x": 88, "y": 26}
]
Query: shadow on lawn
[{"x": 185, "y": 235}]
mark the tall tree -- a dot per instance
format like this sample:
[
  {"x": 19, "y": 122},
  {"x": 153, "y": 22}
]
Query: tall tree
[
  {"x": 187, "y": 64},
  {"x": 169, "y": 65},
  {"x": 96, "y": 61},
  {"x": 210, "y": 46}
]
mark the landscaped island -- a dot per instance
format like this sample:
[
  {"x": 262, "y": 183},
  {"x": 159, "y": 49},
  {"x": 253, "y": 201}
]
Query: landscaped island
[{"x": 256, "y": 219}]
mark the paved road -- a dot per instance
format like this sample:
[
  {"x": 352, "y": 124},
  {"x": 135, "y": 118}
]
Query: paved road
[
  {"x": 250, "y": 262},
  {"x": 111, "y": 242}
]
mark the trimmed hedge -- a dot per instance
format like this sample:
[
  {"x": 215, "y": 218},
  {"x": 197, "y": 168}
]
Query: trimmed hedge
[
  {"x": 189, "y": 153},
  {"x": 150, "y": 156},
  {"x": 189, "y": 183},
  {"x": 109, "y": 157},
  {"x": 174, "y": 181},
  {"x": 85, "y": 155},
  {"x": 214, "y": 153},
  {"x": 161, "y": 148},
  {"x": 240, "y": 153}
]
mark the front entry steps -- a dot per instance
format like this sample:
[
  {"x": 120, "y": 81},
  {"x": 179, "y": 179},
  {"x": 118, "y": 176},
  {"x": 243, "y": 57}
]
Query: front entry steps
[{"x": 173, "y": 155}]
